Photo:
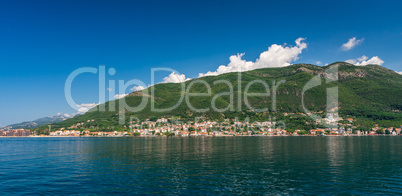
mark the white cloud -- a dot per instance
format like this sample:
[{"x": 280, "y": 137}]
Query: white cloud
[
  {"x": 363, "y": 58},
  {"x": 361, "y": 61},
  {"x": 353, "y": 42},
  {"x": 119, "y": 96},
  {"x": 82, "y": 110},
  {"x": 175, "y": 78},
  {"x": 351, "y": 61},
  {"x": 65, "y": 115},
  {"x": 400, "y": 72},
  {"x": 85, "y": 107},
  {"x": 275, "y": 56},
  {"x": 88, "y": 105},
  {"x": 356, "y": 61},
  {"x": 318, "y": 62},
  {"x": 137, "y": 88}
]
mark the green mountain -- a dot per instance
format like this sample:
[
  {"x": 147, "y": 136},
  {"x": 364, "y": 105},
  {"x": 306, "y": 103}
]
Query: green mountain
[{"x": 371, "y": 94}]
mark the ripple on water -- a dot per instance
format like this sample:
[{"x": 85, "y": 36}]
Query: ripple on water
[{"x": 227, "y": 165}]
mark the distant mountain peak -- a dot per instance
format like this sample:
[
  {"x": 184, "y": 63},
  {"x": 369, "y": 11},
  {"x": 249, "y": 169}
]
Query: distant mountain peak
[{"x": 40, "y": 121}]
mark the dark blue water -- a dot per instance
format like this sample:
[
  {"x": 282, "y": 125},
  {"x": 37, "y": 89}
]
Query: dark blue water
[{"x": 201, "y": 166}]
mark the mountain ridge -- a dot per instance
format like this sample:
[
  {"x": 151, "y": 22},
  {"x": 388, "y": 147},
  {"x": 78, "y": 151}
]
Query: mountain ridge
[
  {"x": 369, "y": 92},
  {"x": 38, "y": 122}
]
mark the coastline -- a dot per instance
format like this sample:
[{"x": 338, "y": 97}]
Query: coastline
[{"x": 129, "y": 136}]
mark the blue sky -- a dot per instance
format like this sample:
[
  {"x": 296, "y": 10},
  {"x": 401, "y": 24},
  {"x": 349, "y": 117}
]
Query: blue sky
[{"x": 42, "y": 42}]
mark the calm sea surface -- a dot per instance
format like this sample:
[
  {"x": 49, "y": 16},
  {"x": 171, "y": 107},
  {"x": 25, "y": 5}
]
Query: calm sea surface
[{"x": 202, "y": 165}]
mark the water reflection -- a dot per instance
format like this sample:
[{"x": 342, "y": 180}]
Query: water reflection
[{"x": 202, "y": 165}]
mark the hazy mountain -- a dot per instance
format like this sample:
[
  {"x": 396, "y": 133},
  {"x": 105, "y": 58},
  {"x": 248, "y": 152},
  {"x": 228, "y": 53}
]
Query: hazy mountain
[{"x": 40, "y": 121}]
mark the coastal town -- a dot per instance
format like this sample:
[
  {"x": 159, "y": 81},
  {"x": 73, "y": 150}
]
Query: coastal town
[{"x": 204, "y": 127}]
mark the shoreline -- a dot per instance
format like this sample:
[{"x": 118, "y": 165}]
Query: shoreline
[{"x": 354, "y": 135}]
